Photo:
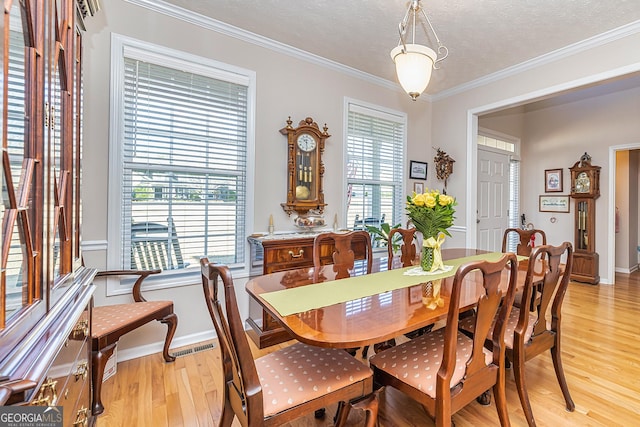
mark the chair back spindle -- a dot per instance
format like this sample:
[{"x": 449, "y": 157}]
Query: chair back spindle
[
  {"x": 342, "y": 257},
  {"x": 407, "y": 246}
]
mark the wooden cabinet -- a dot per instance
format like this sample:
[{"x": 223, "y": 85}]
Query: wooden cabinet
[
  {"x": 45, "y": 292},
  {"x": 282, "y": 252}
]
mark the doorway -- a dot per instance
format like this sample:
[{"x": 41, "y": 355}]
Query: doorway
[
  {"x": 493, "y": 198},
  {"x": 624, "y": 198}
]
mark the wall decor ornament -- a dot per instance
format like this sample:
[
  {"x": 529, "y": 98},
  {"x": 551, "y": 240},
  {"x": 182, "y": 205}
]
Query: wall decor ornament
[{"x": 444, "y": 167}]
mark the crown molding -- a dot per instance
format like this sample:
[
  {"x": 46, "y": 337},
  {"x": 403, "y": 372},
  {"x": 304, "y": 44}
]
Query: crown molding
[
  {"x": 572, "y": 49},
  {"x": 258, "y": 40}
]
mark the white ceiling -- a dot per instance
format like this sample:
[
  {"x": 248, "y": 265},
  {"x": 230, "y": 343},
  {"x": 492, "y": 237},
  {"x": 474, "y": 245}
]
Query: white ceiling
[{"x": 483, "y": 36}]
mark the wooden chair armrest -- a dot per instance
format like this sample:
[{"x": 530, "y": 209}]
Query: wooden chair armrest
[{"x": 136, "y": 291}]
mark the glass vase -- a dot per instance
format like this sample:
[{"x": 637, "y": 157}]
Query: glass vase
[{"x": 426, "y": 260}]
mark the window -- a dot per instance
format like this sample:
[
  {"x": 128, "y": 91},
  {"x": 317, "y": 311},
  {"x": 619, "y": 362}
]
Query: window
[
  {"x": 182, "y": 154},
  {"x": 375, "y": 158}
]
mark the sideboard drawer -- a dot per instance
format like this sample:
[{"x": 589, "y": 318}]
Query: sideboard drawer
[{"x": 279, "y": 259}]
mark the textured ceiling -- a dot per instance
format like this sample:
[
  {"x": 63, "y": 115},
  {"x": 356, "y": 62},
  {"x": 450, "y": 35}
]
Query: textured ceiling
[{"x": 483, "y": 36}]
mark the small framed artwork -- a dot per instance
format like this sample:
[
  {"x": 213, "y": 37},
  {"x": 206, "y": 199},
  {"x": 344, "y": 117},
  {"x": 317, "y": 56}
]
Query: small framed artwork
[
  {"x": 554, "y": 204},
  {"x": 417, "y": 170},
  {"x": 418, "y": 187},
  {"x": 415, "y": 294},
  {"x": 553, "y": 181}
]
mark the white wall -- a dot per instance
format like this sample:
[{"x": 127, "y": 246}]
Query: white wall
[{"x": 286, "y": 86}]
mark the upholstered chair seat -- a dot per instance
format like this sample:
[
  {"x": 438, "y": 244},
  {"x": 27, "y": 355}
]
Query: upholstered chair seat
[
  {"x": 301, "y": 373},
  {"x": 417, "y": 361},
  {"x": 112, "y": 318},
  {"x": 468, "y": 324}
]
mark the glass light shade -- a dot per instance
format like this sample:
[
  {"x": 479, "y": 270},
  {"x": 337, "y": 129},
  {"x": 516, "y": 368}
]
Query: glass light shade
[{"x": 413, "y": 67}]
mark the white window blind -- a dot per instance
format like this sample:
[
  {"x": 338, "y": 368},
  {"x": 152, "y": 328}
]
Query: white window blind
[
  {"x": 514, "y": 203},
  {"x": 375, "y": 159},
  {"x": 184, "y": 162}
]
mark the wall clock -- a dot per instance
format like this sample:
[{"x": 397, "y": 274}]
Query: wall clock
[
  {"x": 444, "y": 167},
  {"x": 305, "y": 169},
  {"x": 585, "y": 189}
]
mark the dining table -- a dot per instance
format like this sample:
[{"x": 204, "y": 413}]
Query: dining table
[{"x": 365, "y": 309}]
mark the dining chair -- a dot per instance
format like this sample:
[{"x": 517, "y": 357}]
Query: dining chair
[
  {"x": 408, "y": 251},
  {"x": 342, "y": 256},
  {"x": 523, "y": 247},
  {"x": 343, "y": 259},
  {"x": 524, "y": 242},
  {"x": 287, "y": 383},
  {"x": 110, "y": 322},
  {"x": 530, "y": 333},
  {"x": 445, "y": 370}
]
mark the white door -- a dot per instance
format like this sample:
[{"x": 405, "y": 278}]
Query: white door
[{"x": 493, "y": 198}]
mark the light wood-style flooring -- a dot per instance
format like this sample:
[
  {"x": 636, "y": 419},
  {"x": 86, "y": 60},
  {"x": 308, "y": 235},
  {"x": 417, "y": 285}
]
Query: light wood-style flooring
[{"x": 600, "y": 349}]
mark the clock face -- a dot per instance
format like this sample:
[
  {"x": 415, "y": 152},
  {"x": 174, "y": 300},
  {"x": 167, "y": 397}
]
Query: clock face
[
  {"x": 306, "y": 142},
  {"x": 583, "y": 183}
]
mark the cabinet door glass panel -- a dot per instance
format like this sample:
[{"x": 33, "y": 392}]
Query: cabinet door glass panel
[{"x": 15, "y": 292}]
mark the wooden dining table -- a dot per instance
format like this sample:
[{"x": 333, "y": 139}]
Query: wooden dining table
[{"x": 370, "y": 319}]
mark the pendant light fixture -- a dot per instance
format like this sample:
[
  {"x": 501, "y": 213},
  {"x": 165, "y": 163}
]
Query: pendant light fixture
[{"x": 414, "y": 62}]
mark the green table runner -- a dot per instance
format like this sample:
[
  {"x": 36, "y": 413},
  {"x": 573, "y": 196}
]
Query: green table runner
[{"x": 303, "y": 298}]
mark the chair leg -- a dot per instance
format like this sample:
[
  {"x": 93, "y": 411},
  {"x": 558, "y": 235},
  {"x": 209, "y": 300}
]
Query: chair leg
[
  {"x": 518, "y": 373},
  {"x": 227, "y": 416},
  {"x": 98, "y": 363},
  {"x": 369, "y": 404},
  {"x": 557, "y": 365},
  {"x": 171, "y": 321},
  {"x": 500, "y": 395},
  {"x": 365, "y": 351},
  {"x": 342, "y": 414}
]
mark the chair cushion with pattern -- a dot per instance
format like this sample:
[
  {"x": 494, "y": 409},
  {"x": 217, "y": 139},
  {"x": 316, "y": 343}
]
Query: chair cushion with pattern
[
  {"x": 109, "y": 318},
  {"x": 417, "y": 361},
  {"x": 300, "y": 372},
  {"x": 469, "y": 324}
]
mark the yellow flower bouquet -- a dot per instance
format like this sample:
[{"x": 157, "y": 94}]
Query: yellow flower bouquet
[{"x": 431, "y": 214}]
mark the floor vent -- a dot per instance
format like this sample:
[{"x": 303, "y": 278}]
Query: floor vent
[{"x": 192, "y": 350}]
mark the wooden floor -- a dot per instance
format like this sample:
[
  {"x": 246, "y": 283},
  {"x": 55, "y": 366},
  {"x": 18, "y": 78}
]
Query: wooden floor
[{"x": 601, "y": 355}]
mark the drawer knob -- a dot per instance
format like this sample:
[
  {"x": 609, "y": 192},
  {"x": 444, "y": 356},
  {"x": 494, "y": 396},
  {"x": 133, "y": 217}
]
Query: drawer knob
[
  {"x": 81, "y": 371},
  {"x": 299, "y": 255},
  {"x": 48, "y": 395},
  {"x": 81, "y": 330},
  {"x": 81, "y": 417}
]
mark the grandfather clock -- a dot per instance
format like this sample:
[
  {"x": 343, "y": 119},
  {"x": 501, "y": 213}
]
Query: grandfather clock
[{"x": 585, "y": 189}]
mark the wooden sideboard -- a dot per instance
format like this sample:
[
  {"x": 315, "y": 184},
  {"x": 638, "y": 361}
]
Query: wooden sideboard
[{"x": 282, "y": 252}]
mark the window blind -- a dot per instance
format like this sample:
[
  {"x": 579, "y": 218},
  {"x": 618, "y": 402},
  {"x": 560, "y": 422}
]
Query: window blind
[
  {"x": 184, "y": 154},
  {"x": 514, "y": 202},
  {"x": 375, "y": 159}
]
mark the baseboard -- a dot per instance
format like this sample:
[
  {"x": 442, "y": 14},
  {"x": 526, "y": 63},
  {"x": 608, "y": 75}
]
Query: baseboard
[
  {"x": 145, "y": 350},
  {"x": 627, "y": 270}
]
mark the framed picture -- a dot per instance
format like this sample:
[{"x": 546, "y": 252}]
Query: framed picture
[
  {"x": 553, "y": 181},
  {"x": 417, "y": 170},
  {"x": 418, "y": 187},
  {"x": 554, "y": 204}
]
